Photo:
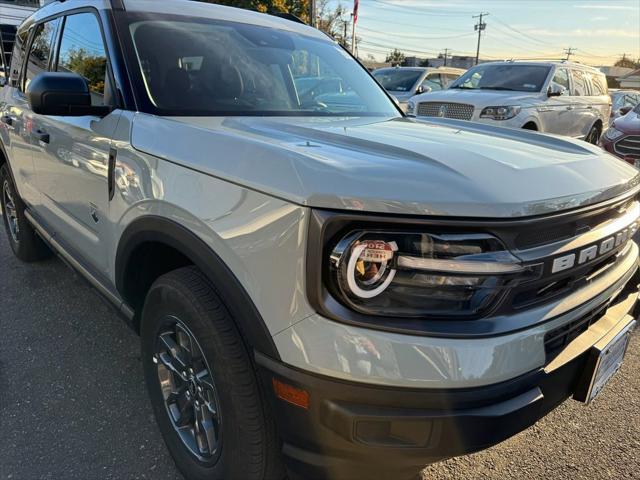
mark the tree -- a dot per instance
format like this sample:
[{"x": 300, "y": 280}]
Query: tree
[
  {"x": 395, "y": 58},
  {"x": 627, "y": 63},
  {"x": 299, "y": 8}
]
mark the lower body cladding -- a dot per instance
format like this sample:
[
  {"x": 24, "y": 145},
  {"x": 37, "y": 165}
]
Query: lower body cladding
[{"x": 337, "y": 428}]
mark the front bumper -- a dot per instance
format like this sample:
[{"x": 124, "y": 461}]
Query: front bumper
[{"x": 355, "y": 430}]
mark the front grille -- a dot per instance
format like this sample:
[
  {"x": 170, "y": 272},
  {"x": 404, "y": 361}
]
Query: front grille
[
  {"x": 458, "y": 111},
  {"x": 628, "y": 146},
  {"x": 541, "y": 235},
  {"x": 557, "y": 339}
]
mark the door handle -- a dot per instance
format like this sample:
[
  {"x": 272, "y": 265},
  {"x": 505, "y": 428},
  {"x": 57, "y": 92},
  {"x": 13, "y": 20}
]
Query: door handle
[
  {"x": 7, "y": 119},
  {"x": 41, "y": 136},
  {"x": 569, "y": 107},
  {"x": 590, "y": 107}
]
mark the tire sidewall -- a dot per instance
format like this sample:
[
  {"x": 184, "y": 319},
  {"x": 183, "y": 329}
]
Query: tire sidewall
[
  {"x": 5, "y": 176},
  {"x": 163, "y": 301}
]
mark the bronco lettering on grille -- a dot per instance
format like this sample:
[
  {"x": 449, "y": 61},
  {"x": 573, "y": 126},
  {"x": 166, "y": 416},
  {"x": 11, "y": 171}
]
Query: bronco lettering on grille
[{"x": 591, "y": 252}]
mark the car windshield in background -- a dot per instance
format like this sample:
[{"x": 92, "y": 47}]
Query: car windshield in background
[
  {"x": 397, "y": 79},
  {"x": 520, "y": 78},
  {"x": 196, "y": 66}
]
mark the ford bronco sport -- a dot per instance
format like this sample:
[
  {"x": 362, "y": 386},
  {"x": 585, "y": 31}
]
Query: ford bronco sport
[{"x": 322, "y": 288}]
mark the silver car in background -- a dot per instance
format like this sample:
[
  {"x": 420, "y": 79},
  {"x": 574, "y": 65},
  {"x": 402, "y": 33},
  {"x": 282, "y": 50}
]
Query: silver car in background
[{"x": 405, "y": 82}]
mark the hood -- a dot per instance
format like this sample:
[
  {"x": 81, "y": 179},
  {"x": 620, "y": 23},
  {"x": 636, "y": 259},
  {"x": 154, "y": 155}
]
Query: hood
[
  {"x": 397, "y": 165},
  {"x": 480, "y": 98},
  {"x": 629, "y": 124}
]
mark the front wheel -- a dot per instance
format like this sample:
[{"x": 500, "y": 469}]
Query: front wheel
[
  {"x": 202, "y": 384},
  {"x": 593, "y": 136}
]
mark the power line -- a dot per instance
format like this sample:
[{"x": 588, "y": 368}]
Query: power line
[
  {"x": 480, "y": 27},
  {"x": 417, "y": 37},
  {"x": 417, "y": 10}
]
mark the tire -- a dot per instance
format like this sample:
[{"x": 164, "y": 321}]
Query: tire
[
  {"x": 183, "y": 310},
  {"x": 24, "y": 241},
  {"x": 593, "y": 137}
]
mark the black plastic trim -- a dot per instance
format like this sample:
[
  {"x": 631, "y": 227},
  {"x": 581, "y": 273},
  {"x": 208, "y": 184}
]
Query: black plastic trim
[
  {"x": 152, "y": 228},
  {"x": 424, "y": 426}
]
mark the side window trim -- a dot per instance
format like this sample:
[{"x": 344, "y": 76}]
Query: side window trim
[{"x": 110, "y": 80}]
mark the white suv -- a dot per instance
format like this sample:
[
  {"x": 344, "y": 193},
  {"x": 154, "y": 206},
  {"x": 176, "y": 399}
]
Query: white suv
[{"x": 554, "y": 97}]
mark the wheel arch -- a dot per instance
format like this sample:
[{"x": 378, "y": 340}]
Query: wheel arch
[{"x": 149, "y": 239}]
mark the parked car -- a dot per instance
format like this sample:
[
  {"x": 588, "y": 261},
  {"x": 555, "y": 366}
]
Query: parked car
[
  {"x": 319, "y": 293},
  {"x": 622, "y": 101},
  {"x": 554, "y": 97},
  {"x": 405, "y": 82},
  {"x": 623, "y": 137}
]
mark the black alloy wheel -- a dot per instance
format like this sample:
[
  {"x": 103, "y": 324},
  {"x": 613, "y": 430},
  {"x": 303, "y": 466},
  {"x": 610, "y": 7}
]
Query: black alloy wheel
[{"x": 10, "y": 211}]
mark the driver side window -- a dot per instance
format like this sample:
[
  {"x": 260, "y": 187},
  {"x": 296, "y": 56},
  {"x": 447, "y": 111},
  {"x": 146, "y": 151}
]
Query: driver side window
[{"x": 433, "y": 82}]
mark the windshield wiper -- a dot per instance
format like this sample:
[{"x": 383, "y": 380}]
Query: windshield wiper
[{"x": 462, "y": 87}]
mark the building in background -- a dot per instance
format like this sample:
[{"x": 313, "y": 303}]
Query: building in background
[
  {"x": 613, "y": 74},
  {"x": 12, "y": 13},
  {"x": 455, "y": 61},
  {"x": 630, "y": 80}
]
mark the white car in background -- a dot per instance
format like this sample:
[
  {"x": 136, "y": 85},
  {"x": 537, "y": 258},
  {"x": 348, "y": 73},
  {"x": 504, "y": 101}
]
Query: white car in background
[
  {"x": 554, "y": 97},
  {"x": 405, "y": 82},
  {"x": 623, "y": 101}
]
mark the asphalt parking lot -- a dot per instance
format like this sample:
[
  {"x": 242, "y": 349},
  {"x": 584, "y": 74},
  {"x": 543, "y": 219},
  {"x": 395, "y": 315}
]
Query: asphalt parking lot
[{"x": 73, "y": 403}]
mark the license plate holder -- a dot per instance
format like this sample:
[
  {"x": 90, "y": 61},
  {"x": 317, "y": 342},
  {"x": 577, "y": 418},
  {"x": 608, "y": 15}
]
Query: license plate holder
[{"x": 602, "y": 364}]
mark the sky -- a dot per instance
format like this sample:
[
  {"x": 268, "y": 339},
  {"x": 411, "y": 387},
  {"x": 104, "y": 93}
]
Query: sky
[{"x": 600, "y": 30}]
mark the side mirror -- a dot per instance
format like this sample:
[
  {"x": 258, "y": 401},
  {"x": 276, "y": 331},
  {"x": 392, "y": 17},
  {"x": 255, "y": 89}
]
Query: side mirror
[
  {"x": 422, "y": 89},
  {"x": 64, "y": 94},
  {"x": 625, "y": 110},
  {"x": 556, "y": 90}
]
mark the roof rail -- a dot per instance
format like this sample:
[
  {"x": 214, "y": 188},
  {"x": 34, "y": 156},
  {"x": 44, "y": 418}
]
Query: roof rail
[{"x": 289, "y": 16}]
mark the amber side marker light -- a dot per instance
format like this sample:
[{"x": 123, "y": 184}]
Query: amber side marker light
[{"x": 291, "y": 394}]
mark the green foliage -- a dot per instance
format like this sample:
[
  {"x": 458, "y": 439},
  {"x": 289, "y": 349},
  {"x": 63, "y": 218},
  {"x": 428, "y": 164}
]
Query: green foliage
[
  {"x": 91, "y": 67},
  {"x": 395, "y": 58},
  {"x": 299, "y": 8},
  {"x": 627, "y": 63}
]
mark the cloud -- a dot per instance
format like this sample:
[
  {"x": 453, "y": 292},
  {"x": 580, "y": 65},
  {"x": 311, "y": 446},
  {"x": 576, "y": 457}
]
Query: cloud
[
  {"x": 605, "y": 7},
  {"x": 580, "y": 32}
]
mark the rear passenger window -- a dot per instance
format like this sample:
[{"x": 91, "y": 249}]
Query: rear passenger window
[
  {"x": 598, "y": 84},
  {"x": 40, "y": 52},
  {"x": 561, "y": 78},
  {"x": 580, "y": 87},
  {"x": 18, "y": 56},
  {"x": 82, "y": 51}
]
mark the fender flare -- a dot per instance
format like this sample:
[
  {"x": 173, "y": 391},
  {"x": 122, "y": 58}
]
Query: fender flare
[{"x": 153, "y": 228}]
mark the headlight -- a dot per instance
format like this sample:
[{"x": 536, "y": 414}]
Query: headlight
[
  {"x": 411, "y": 108},
  {"x": 612, "y": 133},
  {"x": 500, "y": 113},
  {"x": 417, "y": 274}
]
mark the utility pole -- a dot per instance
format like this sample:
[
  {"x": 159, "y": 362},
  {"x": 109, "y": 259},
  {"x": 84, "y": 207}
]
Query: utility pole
[
  {"x": 446, "y": 54},
  {"x": 569, "y": 51},
  {"x": 312, "y": 13},
  {"x": 480, "y": 27}
]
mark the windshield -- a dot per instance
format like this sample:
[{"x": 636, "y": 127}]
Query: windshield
[
  {"x": 520, "y": 78},
  {"x": 397, "y": 79},
  {"x": 200, "y": 66}
]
